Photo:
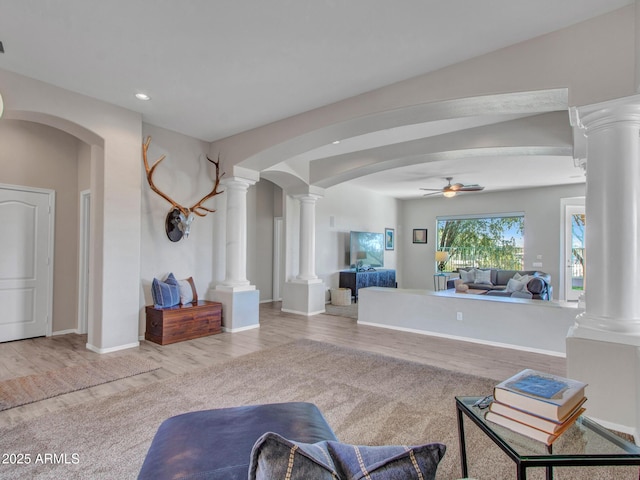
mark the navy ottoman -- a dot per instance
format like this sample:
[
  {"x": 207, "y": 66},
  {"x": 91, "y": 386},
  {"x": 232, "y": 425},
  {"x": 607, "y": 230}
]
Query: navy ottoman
[{"x": 216, "y": 444}]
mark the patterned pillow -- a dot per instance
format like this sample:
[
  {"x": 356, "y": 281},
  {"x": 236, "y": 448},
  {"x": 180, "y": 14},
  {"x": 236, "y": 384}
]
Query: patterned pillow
[
  {"x": 468, "y": 276},
  {"x": 514, "y": 285},
  {"x": 187, "y": 289},
  {"x": 273, "y": 456},
  {"x": 483, "y": 276},
  {"x": 165, "y": 294}
]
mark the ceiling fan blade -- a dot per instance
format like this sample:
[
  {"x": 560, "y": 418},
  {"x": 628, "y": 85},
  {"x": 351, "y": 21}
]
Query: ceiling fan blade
[
  {"x": 430, "y": 194},
  {"x": 432, "y": 189},
  {"x": 471, "y": 188}
]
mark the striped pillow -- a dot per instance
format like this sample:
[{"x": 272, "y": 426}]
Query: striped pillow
[
  {"x": 165, "y": 294},
  {"x": 273, "y": 456}
]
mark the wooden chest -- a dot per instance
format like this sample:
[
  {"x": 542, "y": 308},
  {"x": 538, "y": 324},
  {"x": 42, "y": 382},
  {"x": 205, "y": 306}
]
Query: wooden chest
[{"x": 183, "y": 322}]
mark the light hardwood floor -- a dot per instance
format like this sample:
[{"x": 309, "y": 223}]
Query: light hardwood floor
[{"x": 27, "y": 357}]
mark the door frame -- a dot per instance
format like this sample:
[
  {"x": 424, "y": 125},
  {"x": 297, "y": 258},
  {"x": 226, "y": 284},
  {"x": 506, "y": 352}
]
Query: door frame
[
  {"x": 278, "y": 237},
  {"x": 51, "y": 243},
  {"x": 84, "y": 276},
  {"x": 567, "y": 204}
]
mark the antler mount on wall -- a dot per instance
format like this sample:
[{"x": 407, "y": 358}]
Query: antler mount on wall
[{"x": 179, "y": 218}]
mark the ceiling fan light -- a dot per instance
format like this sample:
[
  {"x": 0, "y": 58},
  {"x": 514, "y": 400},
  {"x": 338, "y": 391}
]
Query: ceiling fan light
[{"x": 449, "y": 193}]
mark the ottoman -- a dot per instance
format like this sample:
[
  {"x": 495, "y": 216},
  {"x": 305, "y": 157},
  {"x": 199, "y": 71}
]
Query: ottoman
[{"x": 216, "y": 444}]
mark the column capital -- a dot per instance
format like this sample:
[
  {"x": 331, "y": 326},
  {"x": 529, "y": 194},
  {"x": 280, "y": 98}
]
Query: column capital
[
  {"x": 237, "y": 182},
  {"x": 589, "y": 117},
  {"x": 307, "y": 197}
]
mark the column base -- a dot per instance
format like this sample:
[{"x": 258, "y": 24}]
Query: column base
[
  {"x": 304, "y": 297},
  {"x": 612, "y": 372},
  {"x": 624, "y": 331},
  {"x": 240, "y": 308},
  {"x": 236, "y": 288}
]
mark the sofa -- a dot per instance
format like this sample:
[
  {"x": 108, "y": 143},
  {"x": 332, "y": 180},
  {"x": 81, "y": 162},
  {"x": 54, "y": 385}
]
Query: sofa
[
  {"x": 281, "y": 440},
  {"x": 530, "y": 284}
]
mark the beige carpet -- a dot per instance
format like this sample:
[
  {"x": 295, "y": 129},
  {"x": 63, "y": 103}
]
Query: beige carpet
[
  {"x": 366, "y": 398},
  {"x": 32, "y": 388}
]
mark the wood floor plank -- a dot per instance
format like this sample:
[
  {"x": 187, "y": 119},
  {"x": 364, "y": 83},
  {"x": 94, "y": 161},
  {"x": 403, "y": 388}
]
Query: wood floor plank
[{"x": 38, "y": 355}]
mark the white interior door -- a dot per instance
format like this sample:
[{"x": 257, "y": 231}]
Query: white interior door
[
  {"x": 25, "y": 262},
  {"x": 575, "y": 276}
]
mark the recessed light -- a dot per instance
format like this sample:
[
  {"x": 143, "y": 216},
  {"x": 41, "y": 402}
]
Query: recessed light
[
  {"x": 142, "y": 96},
  {"x": 335, "y": 142}
]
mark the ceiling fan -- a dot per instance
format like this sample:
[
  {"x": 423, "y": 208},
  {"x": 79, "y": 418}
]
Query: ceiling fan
[{"x": 450, "y": 190}]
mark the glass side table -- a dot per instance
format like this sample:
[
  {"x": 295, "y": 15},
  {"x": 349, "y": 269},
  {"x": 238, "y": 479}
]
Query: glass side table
[{"x": 584, "y": 444}]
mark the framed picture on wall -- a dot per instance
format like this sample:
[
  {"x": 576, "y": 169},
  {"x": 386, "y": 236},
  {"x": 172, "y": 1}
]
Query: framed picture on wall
[
  {"x": 389, "y": 238},
  {"x": 419, "y": 235}
]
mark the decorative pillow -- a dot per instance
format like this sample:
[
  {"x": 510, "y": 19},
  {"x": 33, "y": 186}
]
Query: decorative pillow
[
  {"x": 536, "y": 285},
  {"x": 468, "y": 276},
  {"x": 483, "y": 276},
  {"x": 522, "y": 278},
  {"x": 514, "y": 285},
  {"x": 187, "y": 289},
  {"x": 273, "y": 456},
  {"x": 165, "y": 294}
]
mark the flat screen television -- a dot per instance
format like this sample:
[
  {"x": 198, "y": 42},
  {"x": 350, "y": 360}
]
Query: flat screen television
[{"x": 366, "y": 250}]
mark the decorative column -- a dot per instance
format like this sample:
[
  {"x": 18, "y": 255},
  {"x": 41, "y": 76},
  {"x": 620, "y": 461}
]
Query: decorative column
[
  {"x": 236, "y": 243},
  {"x": 305, "y": 294},
  {"x": 603, "y": 348},
  {"x": 240, "y": 300},
  {"x": 307, "y": 237}
]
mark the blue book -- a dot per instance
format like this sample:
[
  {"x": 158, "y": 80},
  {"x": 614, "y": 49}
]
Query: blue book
[
  {"x": 542, "y": 394},
  {"x": 540, "y": 386}
]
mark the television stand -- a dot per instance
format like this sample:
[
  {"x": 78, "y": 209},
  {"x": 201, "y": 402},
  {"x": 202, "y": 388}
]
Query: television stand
[{"x": 355, "y": 279}]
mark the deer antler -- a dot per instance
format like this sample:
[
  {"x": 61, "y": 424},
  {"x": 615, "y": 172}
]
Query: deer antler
[{"x": 198, "y": 209}]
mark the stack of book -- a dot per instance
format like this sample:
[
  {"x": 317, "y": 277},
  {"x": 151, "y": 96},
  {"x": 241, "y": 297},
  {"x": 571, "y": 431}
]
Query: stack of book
[{"x": 538, "y": 405}]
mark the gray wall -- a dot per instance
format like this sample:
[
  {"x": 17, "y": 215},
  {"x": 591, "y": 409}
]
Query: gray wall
[
  {"x": 35, "y": 155},
  {"x": 543, "y": 222}
]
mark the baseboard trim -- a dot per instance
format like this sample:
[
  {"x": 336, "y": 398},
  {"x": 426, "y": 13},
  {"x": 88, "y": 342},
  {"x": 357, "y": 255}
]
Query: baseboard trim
[
  {"x": 306, "y": 314},
  {"x": 618, "y": 428},
  {"x": 65, "y": 332},
  {"x": 95, "y": 349},
  {"x": 241, "y": 329},
  {"x": 468, "y": 339}
]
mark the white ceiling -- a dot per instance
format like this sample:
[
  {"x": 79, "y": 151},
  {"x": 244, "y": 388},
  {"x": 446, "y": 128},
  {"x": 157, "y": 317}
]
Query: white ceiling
[{"x": 214, "y": 68}]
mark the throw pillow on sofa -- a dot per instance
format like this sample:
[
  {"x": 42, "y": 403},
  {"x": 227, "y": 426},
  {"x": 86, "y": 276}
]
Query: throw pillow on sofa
[
  {"x": 514, "y": 285},
  {"x": 273, "y": 456},
  {"x": 467, "y": 276},
  {"x": 483, "y": 277}
]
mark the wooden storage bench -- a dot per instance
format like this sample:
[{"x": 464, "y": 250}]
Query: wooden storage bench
[{"x": 183, "y": 322}]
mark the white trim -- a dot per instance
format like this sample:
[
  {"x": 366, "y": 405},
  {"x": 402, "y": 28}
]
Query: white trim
[
  {"x": 618, "y": 428},
  {"x": 565, "y": 236},
  {"x": 278, "y": 229},
  {"x": 65, "y": 332},
  {"x": 51, "y": 253},
  {"x": 306, "y": 314},
  {"x": 83, "y": 260},
  {"x": 112, "y": 349},
  {"x": 474, "y": 216},
  {"x": 467, "y": 339},
  {"x": 24, "y": 188},
  {"x": 241, "y": 329}
]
